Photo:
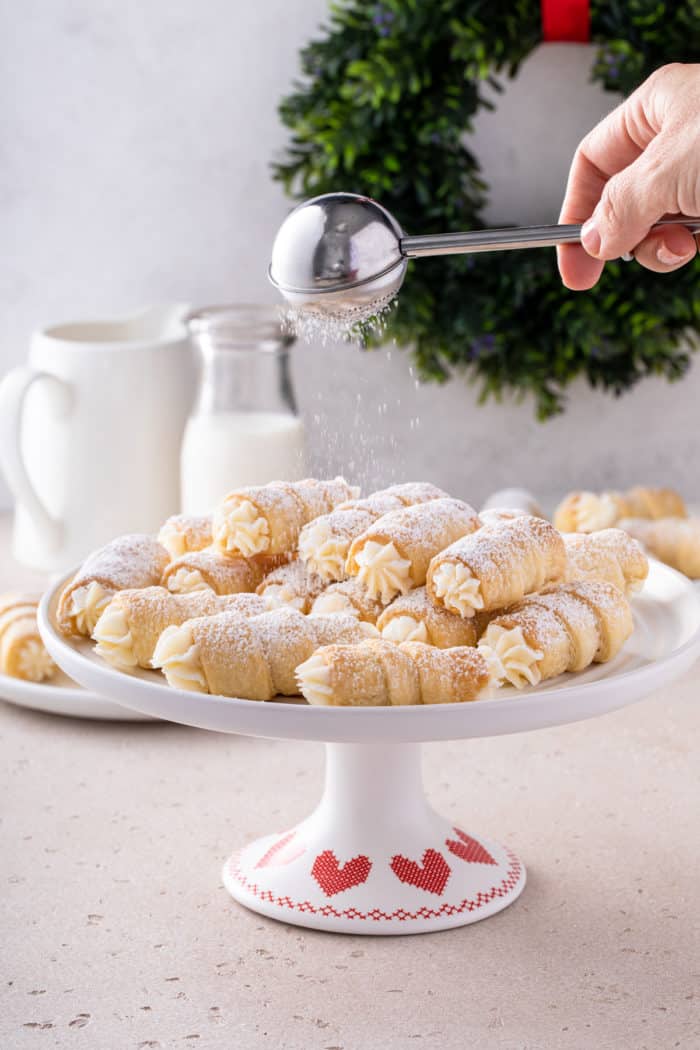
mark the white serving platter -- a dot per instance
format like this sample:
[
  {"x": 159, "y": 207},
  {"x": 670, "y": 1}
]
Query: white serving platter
[{"x": 61, "y": 696}]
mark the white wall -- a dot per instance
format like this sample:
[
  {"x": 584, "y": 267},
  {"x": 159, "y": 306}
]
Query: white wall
[{"x": 136, "y": 142}]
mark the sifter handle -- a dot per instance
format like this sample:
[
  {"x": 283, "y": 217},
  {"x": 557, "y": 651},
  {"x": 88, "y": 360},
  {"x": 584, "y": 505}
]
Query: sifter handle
[{"x": 509, "y": 238}]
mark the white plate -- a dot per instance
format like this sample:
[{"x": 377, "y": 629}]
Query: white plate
[
  {"x": 62, "y": 696},
  {"x": 665, "y": 643}
]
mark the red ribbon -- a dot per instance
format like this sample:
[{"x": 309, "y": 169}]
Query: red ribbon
[{"x": 566, "y": 20}]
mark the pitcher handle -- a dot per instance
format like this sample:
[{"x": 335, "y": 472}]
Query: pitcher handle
[{"x": 13, "y": 391}]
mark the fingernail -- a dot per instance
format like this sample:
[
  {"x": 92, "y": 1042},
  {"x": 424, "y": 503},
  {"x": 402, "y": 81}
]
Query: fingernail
[
  {"x": 590, "y": 238},
  {"x": 669, "y": 258}
]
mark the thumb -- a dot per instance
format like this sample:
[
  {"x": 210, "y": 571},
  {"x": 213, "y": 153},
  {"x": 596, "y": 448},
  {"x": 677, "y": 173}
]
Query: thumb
[{"x": 631, "y": 202}]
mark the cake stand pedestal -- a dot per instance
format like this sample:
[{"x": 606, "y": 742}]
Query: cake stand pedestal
[{"x": 374, "y": 857}]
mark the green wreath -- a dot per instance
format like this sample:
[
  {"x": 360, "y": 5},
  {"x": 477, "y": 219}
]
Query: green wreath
[{"x": 388, "y": 91}]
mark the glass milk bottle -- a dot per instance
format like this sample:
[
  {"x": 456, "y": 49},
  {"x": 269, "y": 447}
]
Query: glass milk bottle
[{"x": 244, "y": 429}]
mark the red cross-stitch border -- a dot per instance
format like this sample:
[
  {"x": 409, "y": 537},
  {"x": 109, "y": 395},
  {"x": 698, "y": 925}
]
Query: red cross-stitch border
[{"x": 501, "y": 889}]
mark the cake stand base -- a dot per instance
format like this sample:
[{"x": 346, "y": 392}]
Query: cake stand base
[{"x": 374, "y": 857}]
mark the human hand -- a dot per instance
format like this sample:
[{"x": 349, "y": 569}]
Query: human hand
[{"x": 640, "y": 164}]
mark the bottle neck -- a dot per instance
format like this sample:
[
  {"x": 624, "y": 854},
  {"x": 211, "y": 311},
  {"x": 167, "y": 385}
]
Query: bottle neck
[{"x": 245, "y": 380}]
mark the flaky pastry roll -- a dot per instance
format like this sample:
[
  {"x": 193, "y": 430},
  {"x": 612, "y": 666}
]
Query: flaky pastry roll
[
  {"x": 565, "y": 628},
  {"x": 675, "y": 541},
  {"x": 253, "y": 659},
  {"x": 18, "y": 600},
  {"x": 512, "y": 499},
  {"x": 411, "y": 493},
  {"x": 22, "y": 652},
  {"x": 211, "y": 570},
  {"x": 183, "y": 533},
  {"x": 591, "y": 511},
  {"x": 348, "y": 598},
  {"x": 325, "y": 542},
  {"x": 292, "y": 584},
  {"x": 497, "y": 565},
  {"x": 131, "y": 624},
  {"x": 413, "y": 617},
  {"x": 380, "y": 674},
  {"x": 392, "y": 556},
  {"x": 496, "y": 515},
  {"x": 588, "y": 511},
  {"x": 267, "y": 519},
  {"x": 609, "y": 555},
  {"x": 644, "y": 502},
  {"x": 128, "y": 562}
]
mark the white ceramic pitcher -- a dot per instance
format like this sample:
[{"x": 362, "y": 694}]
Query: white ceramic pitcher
[{"x": 90, "y": 433}]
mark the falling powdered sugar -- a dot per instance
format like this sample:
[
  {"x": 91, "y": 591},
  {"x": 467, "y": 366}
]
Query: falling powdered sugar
[{"x": 342, "y": 323}]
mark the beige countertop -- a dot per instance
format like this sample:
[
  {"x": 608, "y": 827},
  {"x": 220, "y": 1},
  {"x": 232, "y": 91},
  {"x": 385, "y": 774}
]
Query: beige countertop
[{"x": 117, "y": 933}]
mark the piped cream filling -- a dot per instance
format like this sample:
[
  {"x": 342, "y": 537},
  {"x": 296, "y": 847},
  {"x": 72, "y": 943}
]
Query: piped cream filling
[
  {"x": 314, "y": 679},
  {"x": 186, "y": 581},
  {"x": 594, "y": 512},
  {"x": 382, "y": 571},
  {"x": 324, "y": 553},
  {"x": 173, "y": 540},
  {"x": 333, "y": 605},
  {"x": 177, "y": 656},
  {"x": 405, "y": 629},
  {"x": 495, "y": 670},
  {"x": 242, "y": 528},
  {"x": 518, "y": 660},
  {"x": 114, "y": 641},
  {"x": 459, "y": 589},
  {"x": 86, "y": 606},
  {"x": 279, "y": 595},
  {"x": 34, "y": 663}
]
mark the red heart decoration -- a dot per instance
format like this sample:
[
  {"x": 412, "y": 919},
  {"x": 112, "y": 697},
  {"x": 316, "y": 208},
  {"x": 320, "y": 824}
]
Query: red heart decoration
[
  {"x": 431, "y": 874},
  {"x": 332, "y": 878},
  {"x": 277, "y": 855},
  {"x": 469, "y": 849}
]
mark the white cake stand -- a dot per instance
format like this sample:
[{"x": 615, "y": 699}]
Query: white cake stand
[{"x": 374, "y": 857}]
